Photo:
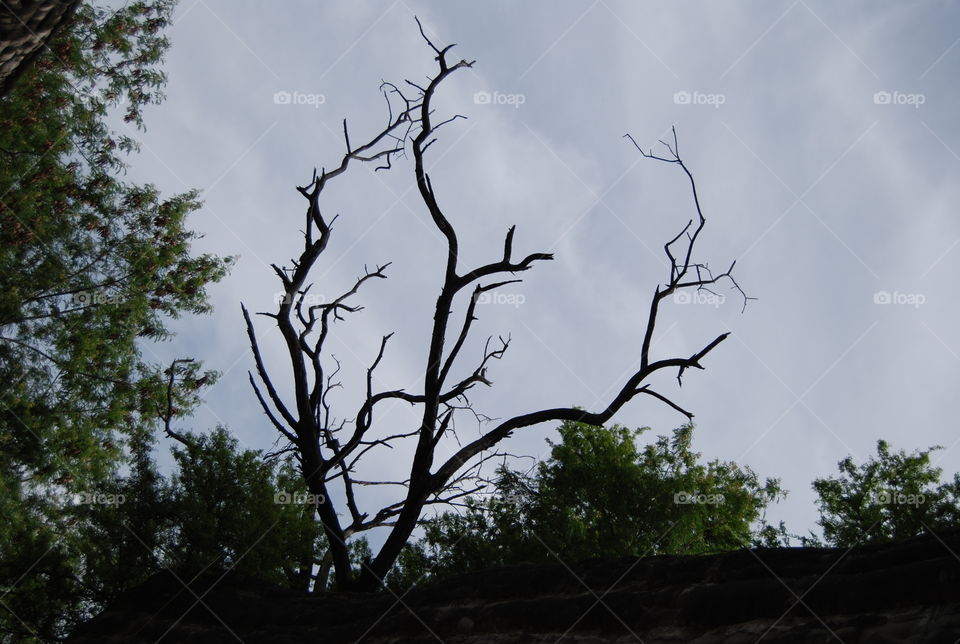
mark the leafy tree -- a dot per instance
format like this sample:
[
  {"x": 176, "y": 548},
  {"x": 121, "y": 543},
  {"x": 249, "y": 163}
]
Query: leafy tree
[
  {"x": 233, "y": 510},
  {"x": 892, "y": 496},
  {"x": 414, "y": 566},
  {"x": 122, "y": 530},
  {"x": 223, "y": 508},
  {"x": 91, "y": 266},
  {"x": 599, "y": 495}
]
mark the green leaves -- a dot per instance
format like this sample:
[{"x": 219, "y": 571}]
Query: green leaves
[
  {"x": 889, "y": 497},
  {"x": 600, "y": 496},
  {"x": 90, "y": 265},
  {"x": 233, "y": 510}
]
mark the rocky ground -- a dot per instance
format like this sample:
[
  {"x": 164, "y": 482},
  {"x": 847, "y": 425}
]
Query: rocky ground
[{"x": 907, "y": 592}]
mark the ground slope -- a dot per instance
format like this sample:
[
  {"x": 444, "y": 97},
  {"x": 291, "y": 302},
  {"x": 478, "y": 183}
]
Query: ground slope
[{"x": 906, "y": 592}]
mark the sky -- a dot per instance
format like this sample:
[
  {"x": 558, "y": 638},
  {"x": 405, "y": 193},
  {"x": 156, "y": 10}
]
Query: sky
[{"x": 823, "y": 138}]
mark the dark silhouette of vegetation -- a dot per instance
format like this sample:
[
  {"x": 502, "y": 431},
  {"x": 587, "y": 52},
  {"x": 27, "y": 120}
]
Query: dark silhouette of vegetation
[{"x": 599, "y": 495}]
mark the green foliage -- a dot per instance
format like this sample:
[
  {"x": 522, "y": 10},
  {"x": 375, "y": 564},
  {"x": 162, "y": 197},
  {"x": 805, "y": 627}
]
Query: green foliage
[
  {"x": 359, "y": 553},
  {"x": 413, "y": 566},
  {"x": 123, "y": 527},
  {"x": 36, "y": 566},
  {"x": 599, "y": 495},
  {"x": 224, "y": 508},
  {"x": 889, "y": 497},
  {"x": 90, "y": 265},
  {"x": 234, "y": 511}
]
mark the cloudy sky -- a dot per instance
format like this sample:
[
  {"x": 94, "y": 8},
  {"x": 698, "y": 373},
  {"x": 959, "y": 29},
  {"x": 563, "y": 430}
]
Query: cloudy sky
[{"x": 823, "y": 138}]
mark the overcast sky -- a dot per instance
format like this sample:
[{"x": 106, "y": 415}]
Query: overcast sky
[{"x": 823, "y": 137}]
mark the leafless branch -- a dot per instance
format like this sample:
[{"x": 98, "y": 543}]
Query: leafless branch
[{"x": 328, "y": 453}]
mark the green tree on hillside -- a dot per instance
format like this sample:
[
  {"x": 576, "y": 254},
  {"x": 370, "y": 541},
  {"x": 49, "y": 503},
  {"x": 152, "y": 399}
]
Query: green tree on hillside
[
  {"x": 892, "y": 496},
  {"x": 224, "y": 508},
  {"x": 600, "y": 495},
  {"x": 233, "y": 510}
]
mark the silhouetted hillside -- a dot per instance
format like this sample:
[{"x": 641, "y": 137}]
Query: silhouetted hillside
[{"x": 908, "y": 592}]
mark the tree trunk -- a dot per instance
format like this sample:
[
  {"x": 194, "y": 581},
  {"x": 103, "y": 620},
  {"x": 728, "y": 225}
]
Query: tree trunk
[{"x": 25, "y": 28}]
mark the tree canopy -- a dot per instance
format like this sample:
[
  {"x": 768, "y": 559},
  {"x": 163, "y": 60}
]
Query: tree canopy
[
  {"x": 891, "y": 496},
  {"x": 92, "y": 267},
  {"x": 600, "y": 495}
]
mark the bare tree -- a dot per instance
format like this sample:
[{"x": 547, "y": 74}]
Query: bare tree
[{"x": 328, "y": 451}]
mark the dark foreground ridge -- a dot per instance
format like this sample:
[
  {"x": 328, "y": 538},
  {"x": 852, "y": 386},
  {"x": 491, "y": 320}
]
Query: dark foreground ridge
[{"x": 905, "y": 592}]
